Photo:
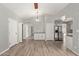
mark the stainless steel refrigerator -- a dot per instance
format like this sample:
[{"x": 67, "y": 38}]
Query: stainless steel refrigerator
[{"x": 58, "y": 35}]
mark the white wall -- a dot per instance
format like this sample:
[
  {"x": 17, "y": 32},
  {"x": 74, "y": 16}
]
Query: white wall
[
  {"x": 49, "y": 27},
  {"x": 4, "y": 15},
  {"x": 49, "y": 31}
]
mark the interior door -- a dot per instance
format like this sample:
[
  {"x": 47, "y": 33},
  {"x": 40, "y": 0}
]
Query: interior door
[
  {"x": 20, "y": 32},
  {"x": 12, "y": 32},
  {"x": 26, "y": 27}
]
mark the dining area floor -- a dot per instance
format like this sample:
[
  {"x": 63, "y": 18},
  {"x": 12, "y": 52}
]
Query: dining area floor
[{"x": 30, "y": 47}]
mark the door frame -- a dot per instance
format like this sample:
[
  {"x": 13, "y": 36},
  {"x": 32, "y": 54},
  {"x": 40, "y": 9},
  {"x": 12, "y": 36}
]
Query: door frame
[
  {"x": 20, "y": 31},
  {"x": 11, "y": 24}
]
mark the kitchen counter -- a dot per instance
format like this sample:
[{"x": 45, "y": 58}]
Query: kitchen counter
[{"x": 39, "y": 32}]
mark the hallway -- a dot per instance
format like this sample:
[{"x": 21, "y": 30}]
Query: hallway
[{"x": 38, "y": 48}]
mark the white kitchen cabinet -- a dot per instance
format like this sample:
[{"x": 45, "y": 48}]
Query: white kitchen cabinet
[
  {"x": 39, "y": 36},
  {"x": 69, "y": 42}
]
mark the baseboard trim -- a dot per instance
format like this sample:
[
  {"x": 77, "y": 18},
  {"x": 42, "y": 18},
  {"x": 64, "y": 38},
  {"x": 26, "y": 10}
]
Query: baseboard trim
[
  {"x": 74, "y": 52},
  {"x": 13, "y": 44},
  {"x": 4, "y": 51},
  {"x": 8, "y": 48}
]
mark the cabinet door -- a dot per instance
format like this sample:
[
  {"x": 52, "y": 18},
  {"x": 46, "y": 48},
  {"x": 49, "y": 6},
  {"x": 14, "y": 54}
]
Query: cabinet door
[
  {"x": 39, "y": 36},
  {"x": 35, "y": 36},
  {"x": 69, "y": 42},
  {"x": 42, "y": 36}
]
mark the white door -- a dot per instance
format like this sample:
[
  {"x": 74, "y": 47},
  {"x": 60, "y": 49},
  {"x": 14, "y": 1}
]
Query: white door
[
  {"x": 27, "y": 30},
  {"x": 49, "y": 31},
  {"x": 24, "y": 31},
  {"x": 20, "y": 32},
  {"x": 12, "y": 32}
]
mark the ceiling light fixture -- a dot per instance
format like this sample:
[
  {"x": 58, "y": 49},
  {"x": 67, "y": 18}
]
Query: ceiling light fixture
[
  {"x": 36, "y": 8},
  {"x": 36, "y": 5}
]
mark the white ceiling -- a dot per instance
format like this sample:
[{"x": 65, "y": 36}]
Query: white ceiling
[{"x": 27, "y": 9}]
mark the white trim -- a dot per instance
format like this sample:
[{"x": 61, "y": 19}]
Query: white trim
[
  {"x": 75, "y": 52},
  {"x": 13, "y": 44},
  {"x": 8, "y": 48},
  {"x": 4, "y": 51}
]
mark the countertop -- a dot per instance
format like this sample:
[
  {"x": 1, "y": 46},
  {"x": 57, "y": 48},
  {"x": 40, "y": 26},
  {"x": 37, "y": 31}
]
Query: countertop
[{"x": 39, "y": 32}]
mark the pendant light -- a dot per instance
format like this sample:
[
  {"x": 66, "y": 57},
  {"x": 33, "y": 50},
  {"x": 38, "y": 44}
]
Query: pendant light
[{"x": 36, "y": 8}]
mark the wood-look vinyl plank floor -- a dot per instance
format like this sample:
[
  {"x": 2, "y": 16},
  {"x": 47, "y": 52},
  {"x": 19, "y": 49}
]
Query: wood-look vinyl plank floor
[{"x": 38, "y": 48}]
